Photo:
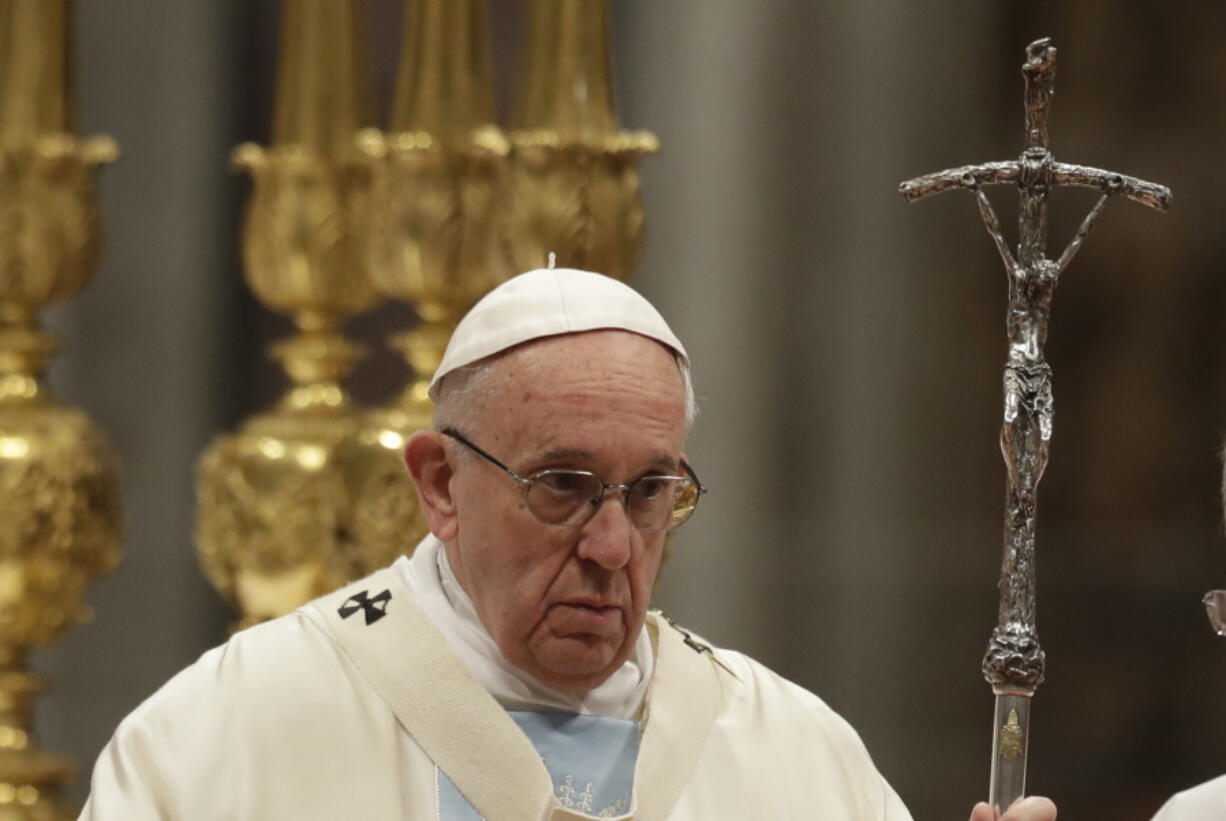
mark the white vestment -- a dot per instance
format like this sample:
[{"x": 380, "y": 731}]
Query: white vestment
[
  {"x": 1206, "y": 802},
  {"x": 355, "y": 706}
]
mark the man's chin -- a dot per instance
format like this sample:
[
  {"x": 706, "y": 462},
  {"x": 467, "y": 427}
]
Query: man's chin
[{"x": 573, "y": 664}]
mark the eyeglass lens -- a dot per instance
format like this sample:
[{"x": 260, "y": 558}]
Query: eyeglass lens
[
  {"x": 1215, "y": 608},
  {"x": 566, "y": 497}
]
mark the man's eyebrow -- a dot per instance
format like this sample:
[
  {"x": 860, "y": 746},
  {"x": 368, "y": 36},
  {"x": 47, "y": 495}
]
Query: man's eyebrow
[
  {"x": 663, "y": 459},
  {"x": 579, "y": 454},
  {"x": 557, "y": 454}
]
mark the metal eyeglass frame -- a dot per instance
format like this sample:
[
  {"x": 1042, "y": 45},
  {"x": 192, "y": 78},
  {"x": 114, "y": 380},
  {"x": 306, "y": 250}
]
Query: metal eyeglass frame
[{"x": 526, "y": 483}]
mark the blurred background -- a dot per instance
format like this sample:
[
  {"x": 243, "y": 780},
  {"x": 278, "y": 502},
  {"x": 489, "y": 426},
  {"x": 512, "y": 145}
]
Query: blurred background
[{"x": 847, "y": 346}]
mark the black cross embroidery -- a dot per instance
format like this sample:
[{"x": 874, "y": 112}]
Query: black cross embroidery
[
  {"x": 689, "y": 640},
  {"x": 374, "y": 609}
]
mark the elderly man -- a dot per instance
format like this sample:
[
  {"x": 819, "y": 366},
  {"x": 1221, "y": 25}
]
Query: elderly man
[{"x": 510, "y": 670}]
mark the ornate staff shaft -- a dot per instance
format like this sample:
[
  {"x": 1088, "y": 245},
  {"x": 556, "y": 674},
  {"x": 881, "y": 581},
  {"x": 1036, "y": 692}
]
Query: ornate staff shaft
[{"x": 1014, "y": 662}]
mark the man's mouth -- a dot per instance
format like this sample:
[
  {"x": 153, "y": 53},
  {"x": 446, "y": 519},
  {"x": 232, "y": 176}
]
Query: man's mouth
[{"x": 589, "y": 612}]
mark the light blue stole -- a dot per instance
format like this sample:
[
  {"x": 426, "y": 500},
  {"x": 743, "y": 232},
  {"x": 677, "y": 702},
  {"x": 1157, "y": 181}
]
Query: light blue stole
[{"x": 590, "y": 760}]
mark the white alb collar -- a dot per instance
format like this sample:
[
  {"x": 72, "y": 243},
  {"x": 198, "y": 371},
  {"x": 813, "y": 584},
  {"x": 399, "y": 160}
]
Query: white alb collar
[{"x": 429, "y": 579}]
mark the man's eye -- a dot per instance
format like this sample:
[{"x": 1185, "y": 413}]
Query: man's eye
[
  {"x": 563, "y": 482},
  {"x": 649, "y": 487}
]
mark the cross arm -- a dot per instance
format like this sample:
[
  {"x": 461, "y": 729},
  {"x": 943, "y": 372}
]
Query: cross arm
[
  {"x": 991, "y": 173},
  {"x": 966, "y": 176},
  {"x": 1109, "y": 182}
]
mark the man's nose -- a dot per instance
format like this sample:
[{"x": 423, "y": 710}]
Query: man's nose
[{"x": 606, "y": 537}]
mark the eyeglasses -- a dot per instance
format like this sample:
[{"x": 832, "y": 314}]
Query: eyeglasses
[
  {"x": 1215, "y": 608},
  {"x": 569, "y": 498}
]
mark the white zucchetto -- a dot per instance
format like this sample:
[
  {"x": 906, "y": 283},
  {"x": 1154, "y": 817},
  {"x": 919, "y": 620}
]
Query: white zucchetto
[{"x": 548, "y": 302}]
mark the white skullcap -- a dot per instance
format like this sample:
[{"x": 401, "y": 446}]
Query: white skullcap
[{"x": 548, "y": 302}]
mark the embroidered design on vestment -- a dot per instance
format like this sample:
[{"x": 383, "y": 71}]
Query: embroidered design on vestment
[
  {"x": 582, "y": 802},
  {"x": 687, "y": 637},
  {"x": 374, "y": 608}
]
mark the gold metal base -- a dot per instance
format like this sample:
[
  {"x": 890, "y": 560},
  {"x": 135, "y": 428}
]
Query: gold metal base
[{"x": 30, "y": 779}]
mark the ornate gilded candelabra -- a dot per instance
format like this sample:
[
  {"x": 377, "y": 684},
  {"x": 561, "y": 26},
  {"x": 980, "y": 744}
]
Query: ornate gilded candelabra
[
  {"x": 59, "y": 482},
  {"x": 575, "y": 180},
  {"x": 437, "y": 176},
  {"x": 274, "y": 498}
]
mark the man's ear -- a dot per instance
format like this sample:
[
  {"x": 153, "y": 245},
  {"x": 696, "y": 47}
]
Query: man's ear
[{"x": 425, "y": 454}]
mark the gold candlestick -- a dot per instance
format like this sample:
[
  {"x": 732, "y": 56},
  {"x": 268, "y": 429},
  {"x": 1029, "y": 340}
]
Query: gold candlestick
[
  {"x": 59, "y": 482},
  {"x": 434, "y": 241},
  {"x": 274, "y": 498},
  {"x": 575, "y": 180}
]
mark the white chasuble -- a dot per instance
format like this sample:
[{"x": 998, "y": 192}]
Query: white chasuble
[
  {"x": 1206, "y": 802},
  {"x": 355, "y": 707}
]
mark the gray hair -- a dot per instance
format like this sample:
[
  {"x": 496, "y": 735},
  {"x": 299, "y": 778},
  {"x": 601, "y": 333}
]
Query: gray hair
[{"x": 465, "y": 393}]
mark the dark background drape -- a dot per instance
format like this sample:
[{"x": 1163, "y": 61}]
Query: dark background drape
[{"x": 847, "y": 347}]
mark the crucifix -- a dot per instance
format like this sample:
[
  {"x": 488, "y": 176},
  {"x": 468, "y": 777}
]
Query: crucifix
[{"x": 1014, "y": 662}]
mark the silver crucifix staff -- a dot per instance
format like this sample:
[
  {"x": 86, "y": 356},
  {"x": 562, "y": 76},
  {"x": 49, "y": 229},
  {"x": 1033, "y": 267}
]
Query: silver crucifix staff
[{"x": 1014, "y": 661}]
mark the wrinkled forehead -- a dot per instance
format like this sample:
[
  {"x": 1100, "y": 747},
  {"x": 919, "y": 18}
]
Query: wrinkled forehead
[{"x": 587, "y": 375}]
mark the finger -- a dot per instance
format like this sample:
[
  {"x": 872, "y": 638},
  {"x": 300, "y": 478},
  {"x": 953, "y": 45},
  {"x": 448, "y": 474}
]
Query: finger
[
  {"x": 1032, "y": 808},
  {"x": 984, "y": 812}
]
